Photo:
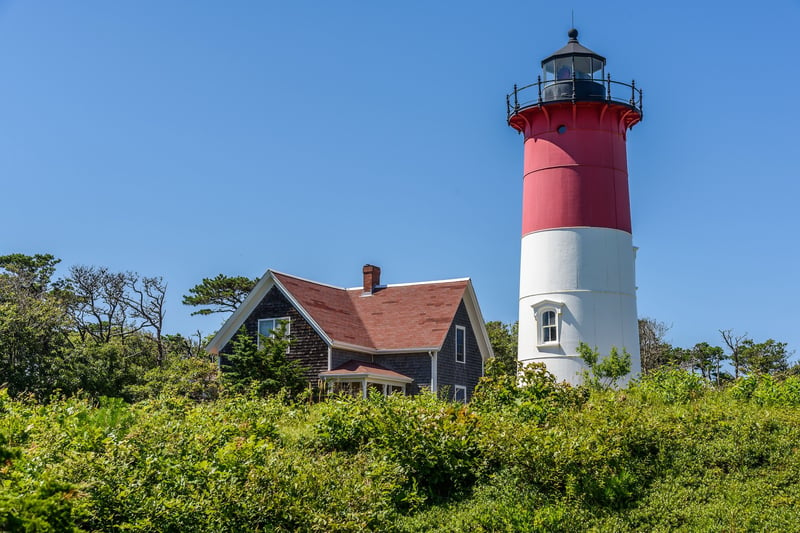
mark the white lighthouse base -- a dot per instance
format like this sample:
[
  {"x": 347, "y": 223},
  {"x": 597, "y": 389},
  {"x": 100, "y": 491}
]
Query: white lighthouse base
[{"x": 584, "y": 278}]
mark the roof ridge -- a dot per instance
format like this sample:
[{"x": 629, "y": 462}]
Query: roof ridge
[
  {"x": 307, "y": 280},
  {"x": 432, "y": 282}
]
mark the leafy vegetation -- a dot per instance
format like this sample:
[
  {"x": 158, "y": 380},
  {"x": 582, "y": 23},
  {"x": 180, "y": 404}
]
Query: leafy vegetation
[
  {"x": 263, "y": 368},
  {"x": 220, "y": 294},
  {"x": 667, "y": 453},
  {"x": 109, "y": 424}
]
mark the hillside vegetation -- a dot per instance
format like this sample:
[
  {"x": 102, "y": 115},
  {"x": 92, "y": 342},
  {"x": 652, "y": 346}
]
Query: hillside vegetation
[{"x": 668, "y": 453}]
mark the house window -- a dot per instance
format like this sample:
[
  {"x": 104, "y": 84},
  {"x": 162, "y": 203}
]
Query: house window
[
  {"x": 549, "y": 327},
  {"x": 460, "y": 394},
  {"x": 461, "y": 344},
  {"x": 268, "y": 326}
]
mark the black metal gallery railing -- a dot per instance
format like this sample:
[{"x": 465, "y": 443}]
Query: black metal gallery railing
[{"x": 573, "y": 90}]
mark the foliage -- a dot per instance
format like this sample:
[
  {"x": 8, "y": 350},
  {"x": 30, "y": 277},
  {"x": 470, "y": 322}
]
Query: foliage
[
  {"x": 106, "y": 305},
  {"x": 432, "y": 440},
  {"x": 189, "y": 376},
  {"x": 532, "y": 394},
  {"x": 503, "y": 338},
  {"x": 220, "y": 294},
  {"x": 707, "y": 359},
  {"x": 671, "y": 386},
  {"x": 604, "y": 372},
  {"x": 33, "y": 274},
  {"x": 668, "y": 453},
  {"x": 33, "y": 324},
  {"x": 766, "y": 357},
  {"x": 766, "y": 390},
  {"x": 264, "y": 369}
]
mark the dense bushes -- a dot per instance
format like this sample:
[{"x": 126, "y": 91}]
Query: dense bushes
[
  {"x": 667, "y": 453},
  {"x": 433, "y": 441}
]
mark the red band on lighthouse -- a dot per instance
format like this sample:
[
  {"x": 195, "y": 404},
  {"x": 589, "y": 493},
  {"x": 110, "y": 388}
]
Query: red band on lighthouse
[{"x": 575, "y": 169}]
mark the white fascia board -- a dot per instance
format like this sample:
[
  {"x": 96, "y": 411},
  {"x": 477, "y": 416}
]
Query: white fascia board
[{"x": 479, "y": 325}]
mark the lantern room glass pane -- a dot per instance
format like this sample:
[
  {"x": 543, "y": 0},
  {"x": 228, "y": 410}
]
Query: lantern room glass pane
[
  {"x": 583, "y": 67},
  {"x": 564, "y": 68},
  {"x": 597, "y": 69},
  {"x": 549, "y": 69}
]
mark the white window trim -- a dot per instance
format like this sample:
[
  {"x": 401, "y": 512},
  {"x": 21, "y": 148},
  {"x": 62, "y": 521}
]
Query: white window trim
[
  {"x": 285, "y": 319},
  {"x": 457, "y": 388},
  {"x": 539, "y": 309},
  {"x": 463, "y": 359}
]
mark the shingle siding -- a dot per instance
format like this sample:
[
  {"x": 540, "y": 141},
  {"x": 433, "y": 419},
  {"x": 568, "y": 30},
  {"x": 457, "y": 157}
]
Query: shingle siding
[
  {"x": 307, "y": 346},
  {"x": 452, "y": 373},
  {"x": 414, "y": 365}
]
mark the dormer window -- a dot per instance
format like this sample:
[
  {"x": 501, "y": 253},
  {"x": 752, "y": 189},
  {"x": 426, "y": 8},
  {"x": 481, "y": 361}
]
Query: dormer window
[{"x": 548, "y": 320}]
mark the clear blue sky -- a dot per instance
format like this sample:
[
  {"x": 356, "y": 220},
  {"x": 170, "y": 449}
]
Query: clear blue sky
[{"x": 190, "y": 138}]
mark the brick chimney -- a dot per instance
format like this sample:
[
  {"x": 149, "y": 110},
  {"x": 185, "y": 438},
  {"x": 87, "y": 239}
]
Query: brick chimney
[{"x": 372, "y": 278}]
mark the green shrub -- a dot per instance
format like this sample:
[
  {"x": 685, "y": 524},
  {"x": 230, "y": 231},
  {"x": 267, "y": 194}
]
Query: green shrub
[
  {"x": 433, "y": 440},
  {"x": 533, "y": 395},
  {"x": 670, "y": 386}
]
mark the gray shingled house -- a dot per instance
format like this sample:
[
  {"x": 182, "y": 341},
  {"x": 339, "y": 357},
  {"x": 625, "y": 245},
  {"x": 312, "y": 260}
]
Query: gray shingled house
[{"x": 391, "y": 338}]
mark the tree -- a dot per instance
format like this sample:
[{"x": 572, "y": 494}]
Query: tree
[
  {"x": 655, "y": 351},
  {"x": 504, "y": 345},
  {"x": 707, "y": 359},
  {"x": 221, "y": 294},
  {"x": 265, "y": 369},
  {"x": 605, "y": 373},
  {"x": 97, "y": 303},
  {"x": 32, "y": 273},
  {"x": 763, "y": 358},
  {"x": 33, "y": 326},
  {"x": 145, "y": 297},
  {"x": 107, "y": 305},
  {"x": 734, "y": 343}
]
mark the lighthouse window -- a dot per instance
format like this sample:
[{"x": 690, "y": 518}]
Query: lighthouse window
[
  {"x": 561, "y": 129},
  {"x": 549, "y": 327}
]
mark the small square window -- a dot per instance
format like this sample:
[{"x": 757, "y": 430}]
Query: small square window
[{"x": 461, "y": 344}]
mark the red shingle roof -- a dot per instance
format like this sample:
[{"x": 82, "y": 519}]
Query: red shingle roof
[
  {"x": 352, "y": 367},
  {"x": 394, "y": 318}
]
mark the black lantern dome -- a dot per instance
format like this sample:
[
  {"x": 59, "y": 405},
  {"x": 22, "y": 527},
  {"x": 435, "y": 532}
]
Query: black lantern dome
[{"x": 573, "y": 72}]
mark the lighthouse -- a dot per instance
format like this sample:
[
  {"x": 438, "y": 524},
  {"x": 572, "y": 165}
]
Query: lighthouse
[{"x": 577, "y": 275}]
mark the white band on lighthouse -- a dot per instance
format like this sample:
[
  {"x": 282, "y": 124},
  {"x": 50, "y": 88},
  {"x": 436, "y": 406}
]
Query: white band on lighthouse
[{"x": 587, "y": 276}]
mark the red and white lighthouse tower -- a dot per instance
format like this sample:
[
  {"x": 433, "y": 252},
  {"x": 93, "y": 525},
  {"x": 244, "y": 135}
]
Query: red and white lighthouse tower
[{"x": 577, "y": 262}]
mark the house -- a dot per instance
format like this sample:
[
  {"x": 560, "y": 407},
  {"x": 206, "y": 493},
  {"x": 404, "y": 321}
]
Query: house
[{"x": 391, "y": 338}]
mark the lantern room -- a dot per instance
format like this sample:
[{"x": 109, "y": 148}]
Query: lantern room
[{"x": 573, "y": 72}]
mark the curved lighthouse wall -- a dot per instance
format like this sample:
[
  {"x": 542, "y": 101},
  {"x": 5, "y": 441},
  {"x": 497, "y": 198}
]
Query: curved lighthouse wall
[
  {"x": 577, "y": 255},
  {"x": 585, "y": 275}
]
